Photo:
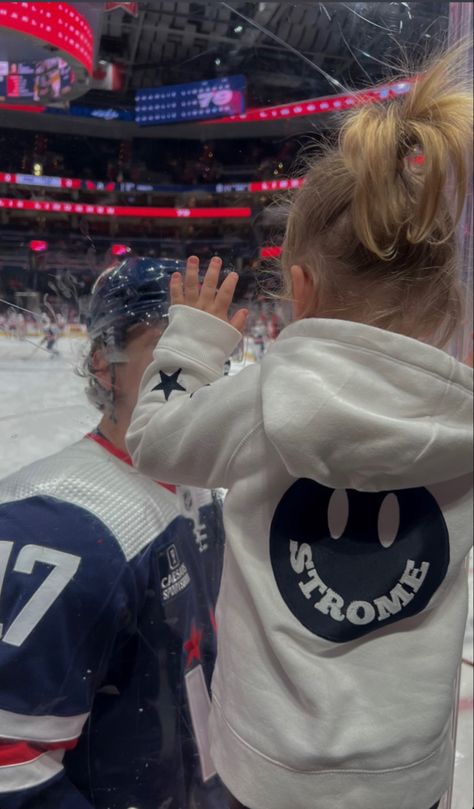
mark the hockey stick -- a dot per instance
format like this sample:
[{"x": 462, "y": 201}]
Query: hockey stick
[{"x": 36, "y": 347}]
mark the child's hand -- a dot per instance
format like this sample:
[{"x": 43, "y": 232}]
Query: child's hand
[{"x": 207, "y": 297}]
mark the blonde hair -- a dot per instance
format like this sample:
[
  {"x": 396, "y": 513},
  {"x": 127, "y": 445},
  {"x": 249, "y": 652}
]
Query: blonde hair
[{"x": 374, "y": 224}]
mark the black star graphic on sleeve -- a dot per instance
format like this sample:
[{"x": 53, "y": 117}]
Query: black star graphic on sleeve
[{"x": 169, "y": 383}]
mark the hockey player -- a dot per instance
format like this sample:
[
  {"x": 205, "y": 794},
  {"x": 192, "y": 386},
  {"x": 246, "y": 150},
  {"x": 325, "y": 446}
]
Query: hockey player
[
  {"x": 20, "y": 326},
  {"x": 108, "y": 583},
  {"x": 258, "y": 335},
  {"x": 12, "y": 323},
  {"x": 50, "y": 335}
]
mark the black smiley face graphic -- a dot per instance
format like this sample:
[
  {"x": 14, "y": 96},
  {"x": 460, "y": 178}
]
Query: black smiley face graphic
[{"x": 341, "y": 589}]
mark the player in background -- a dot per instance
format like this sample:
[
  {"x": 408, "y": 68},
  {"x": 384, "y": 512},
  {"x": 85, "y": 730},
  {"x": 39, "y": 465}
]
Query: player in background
[
  {"x": 45, "y": 320},
  {"x": 44, "y": 323},
  {"x": 108, "y": 582},
  {"x": 259, "y": 332},
  {"x": 12, "y": 323},
  {"x": 51, "y": 332},
  {"x": 20, "y": 326},
  {"x": 348, "y": 457},
  {"x": 61, "y": 323}
]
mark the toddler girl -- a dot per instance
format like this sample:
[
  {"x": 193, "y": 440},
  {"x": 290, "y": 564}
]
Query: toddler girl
[{"x": 347, "y": 454}]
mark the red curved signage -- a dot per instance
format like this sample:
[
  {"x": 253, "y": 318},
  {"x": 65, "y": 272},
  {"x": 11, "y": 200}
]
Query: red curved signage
[
  {"x": 124, "y": 210},
  {"x": 58, "y": 24}
]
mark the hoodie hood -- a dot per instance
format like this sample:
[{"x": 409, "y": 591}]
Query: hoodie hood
[{"x": 353, "y": 406}]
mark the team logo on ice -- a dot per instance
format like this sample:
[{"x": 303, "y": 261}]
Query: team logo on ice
[{"x": 348, "y": 563}]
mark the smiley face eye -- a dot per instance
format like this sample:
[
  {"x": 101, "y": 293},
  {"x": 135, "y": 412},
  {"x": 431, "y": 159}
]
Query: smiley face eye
[
  {"x": 338, "y": 513},
  {"x": 388, "y": 520}
]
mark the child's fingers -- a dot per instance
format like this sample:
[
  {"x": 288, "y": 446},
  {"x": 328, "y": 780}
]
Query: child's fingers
[
  {"x": 176, "y": 289},
  {"x": 239, "y": 320},
  {"x": 209, "y": 284},
  {"x": 191, "y": 281},
  {"x": 225, "y": 294}
]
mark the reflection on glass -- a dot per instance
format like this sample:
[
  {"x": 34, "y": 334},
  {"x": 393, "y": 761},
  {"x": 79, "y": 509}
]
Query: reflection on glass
[{"x": 84, "y": 186}]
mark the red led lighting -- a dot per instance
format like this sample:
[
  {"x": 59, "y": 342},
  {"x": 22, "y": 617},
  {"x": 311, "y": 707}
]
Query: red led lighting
[
  {"x": 38, "y": 246},
  {"x": 120, "y": 250},
  {"x": 58, "y": 24},
  {"x": 119, "y": 210},
  {"x": 69, "y": 182},
  {"x": 131, "y": 8},
  {"x": 417, "y": 160},
  {"x": 313, "y": 106},
  {"x": 276, "y": 185},
  {"x": 270, "y": 252},
  {"x": 22, "y": 107}
]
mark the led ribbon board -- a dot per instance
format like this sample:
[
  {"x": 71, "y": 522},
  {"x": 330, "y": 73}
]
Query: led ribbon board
[
  {"x": 196, "y": 101},
  {"x": 123, "y": 210}
]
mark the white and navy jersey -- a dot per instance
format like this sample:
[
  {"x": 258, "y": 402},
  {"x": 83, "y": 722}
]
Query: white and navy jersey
[{"x": 107, "y": 636}]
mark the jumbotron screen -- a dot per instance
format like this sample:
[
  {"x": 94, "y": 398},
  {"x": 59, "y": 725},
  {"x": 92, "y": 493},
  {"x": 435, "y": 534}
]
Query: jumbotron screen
[
  {"x": 51, "y": 78},
  {"x": 195, "y": 101}
]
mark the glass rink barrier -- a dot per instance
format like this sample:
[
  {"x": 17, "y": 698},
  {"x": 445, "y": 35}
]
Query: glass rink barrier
[{"x": 136, "y": 135}]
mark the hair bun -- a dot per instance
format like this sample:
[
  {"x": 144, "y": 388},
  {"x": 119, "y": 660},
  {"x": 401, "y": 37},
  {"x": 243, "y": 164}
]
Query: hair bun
[{"x": 401, "y": 155}]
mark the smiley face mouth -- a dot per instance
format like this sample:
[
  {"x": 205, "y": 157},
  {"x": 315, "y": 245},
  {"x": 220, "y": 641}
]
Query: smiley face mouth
[{"x": 358, "y": 612}]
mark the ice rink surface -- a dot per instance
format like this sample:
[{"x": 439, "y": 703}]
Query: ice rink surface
[{"x": 43, "y": 408}]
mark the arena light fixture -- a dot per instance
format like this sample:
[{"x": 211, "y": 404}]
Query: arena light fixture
[
  {"x": 270, "y": 251},
  {"x": 120, "y": 250},
  {"x": 38, "y": 246}
]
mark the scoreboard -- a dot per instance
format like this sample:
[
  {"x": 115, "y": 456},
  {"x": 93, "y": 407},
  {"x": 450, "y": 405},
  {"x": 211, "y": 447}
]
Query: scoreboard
[{"x": 196, "y": 101}]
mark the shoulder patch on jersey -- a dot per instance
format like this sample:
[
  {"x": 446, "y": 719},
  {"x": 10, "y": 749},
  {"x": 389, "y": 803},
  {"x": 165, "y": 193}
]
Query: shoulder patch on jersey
[
  {"x": 348, "y": 563},
  {"x": 193, "y": 502},
  {"x": 135, "y": 509}
]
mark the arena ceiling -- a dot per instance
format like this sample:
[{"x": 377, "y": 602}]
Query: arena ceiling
[{"x": 288, "y": 51}]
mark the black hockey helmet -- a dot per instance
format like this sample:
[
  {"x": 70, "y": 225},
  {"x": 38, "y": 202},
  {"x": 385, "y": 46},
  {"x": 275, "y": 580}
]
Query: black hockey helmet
[{"x": 134, "y": 291}]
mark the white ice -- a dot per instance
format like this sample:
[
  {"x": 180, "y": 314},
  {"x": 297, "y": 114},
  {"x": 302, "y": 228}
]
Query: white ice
[{"x": 43, "y": 408}]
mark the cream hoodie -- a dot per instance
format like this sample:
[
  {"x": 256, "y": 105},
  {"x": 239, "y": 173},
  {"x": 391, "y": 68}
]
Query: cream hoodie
[{"x": 348, "y": 457}]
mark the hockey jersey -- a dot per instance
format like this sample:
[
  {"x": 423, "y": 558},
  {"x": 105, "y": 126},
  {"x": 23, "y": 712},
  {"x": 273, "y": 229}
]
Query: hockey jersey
[{"x": 107, "y": 637}]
